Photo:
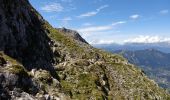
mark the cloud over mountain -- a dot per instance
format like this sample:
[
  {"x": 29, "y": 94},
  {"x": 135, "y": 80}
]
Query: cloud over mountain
[{"x": 147, "y": 39}]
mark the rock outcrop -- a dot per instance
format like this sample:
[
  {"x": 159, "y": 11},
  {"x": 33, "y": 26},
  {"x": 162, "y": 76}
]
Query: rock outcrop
[{"x": 74, "y": 34}]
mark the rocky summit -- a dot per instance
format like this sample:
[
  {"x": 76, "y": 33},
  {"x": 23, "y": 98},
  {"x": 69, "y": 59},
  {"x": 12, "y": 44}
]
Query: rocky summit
[{"x": 39, "y": 62}]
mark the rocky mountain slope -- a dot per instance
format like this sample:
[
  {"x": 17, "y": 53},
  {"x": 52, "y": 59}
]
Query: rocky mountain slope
[
  {"x": 40, "y": 62},
  {"x": 156, "y": 64}
]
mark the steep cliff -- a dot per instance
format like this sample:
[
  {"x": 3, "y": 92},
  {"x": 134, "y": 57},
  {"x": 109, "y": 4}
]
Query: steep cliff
[{"x": 38, "y": 61}]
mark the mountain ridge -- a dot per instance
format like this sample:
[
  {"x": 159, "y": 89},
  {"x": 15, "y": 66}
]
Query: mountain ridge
[
  {"x": 74, "y": 34},
  {"x": 145, "y": 57},
  {"x": 161, "y": 46}
]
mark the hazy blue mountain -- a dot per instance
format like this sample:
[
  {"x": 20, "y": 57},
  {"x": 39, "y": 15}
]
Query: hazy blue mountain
[
  {"x": 148, "y": 57},
  {"x": 161, "y": 46}
]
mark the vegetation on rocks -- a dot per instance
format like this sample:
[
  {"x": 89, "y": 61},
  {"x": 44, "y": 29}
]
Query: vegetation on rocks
[
  {"x": 54, "y": 65},
  {"x": 18, "y": 69}
]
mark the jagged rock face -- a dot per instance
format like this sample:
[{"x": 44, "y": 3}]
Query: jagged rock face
[
  {"x": 74, "y": 34},
  {"x": 22, "y": 35}
]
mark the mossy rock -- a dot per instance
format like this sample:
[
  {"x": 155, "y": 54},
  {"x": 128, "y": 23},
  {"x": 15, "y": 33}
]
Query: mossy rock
[
  {"x": 44, "y": 76},
  {"x": 82, "y": 63},
  {"x": 8, "y": 59},
  {"x": 18, "y": 70}
]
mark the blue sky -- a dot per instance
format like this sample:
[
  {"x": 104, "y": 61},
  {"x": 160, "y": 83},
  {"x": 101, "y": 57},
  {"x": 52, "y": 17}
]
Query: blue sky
[{"x": 110, "y": 21}]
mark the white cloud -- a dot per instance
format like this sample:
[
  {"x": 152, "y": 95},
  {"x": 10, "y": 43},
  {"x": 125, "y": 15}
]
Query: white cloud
[
  {"x": 88, "y": 14},
  {"x": 94, "y": 29},
  {"x": 102, "y": 7},
  {"x": 165, "y": 11},
  {"x": 147, "y": 39},
  {"x": 135, "y": 16},
  {"x": 53, "y": 7},
  {"x": 117, "y": 23},
  {"x": 87, "y": 24},
  {"x": 67, "y": 18},
  {"x": 102, "y": 42},
  {"x": 92, "y": 13},
  {"x": 65, "y": 21}
]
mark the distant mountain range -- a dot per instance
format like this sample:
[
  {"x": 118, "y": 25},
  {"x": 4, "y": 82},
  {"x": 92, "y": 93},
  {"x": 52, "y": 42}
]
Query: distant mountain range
[
  {"x": 153, "y": 58},
  {"x": 149, "y": 57},
  {"x": 161, "y": 46}
]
